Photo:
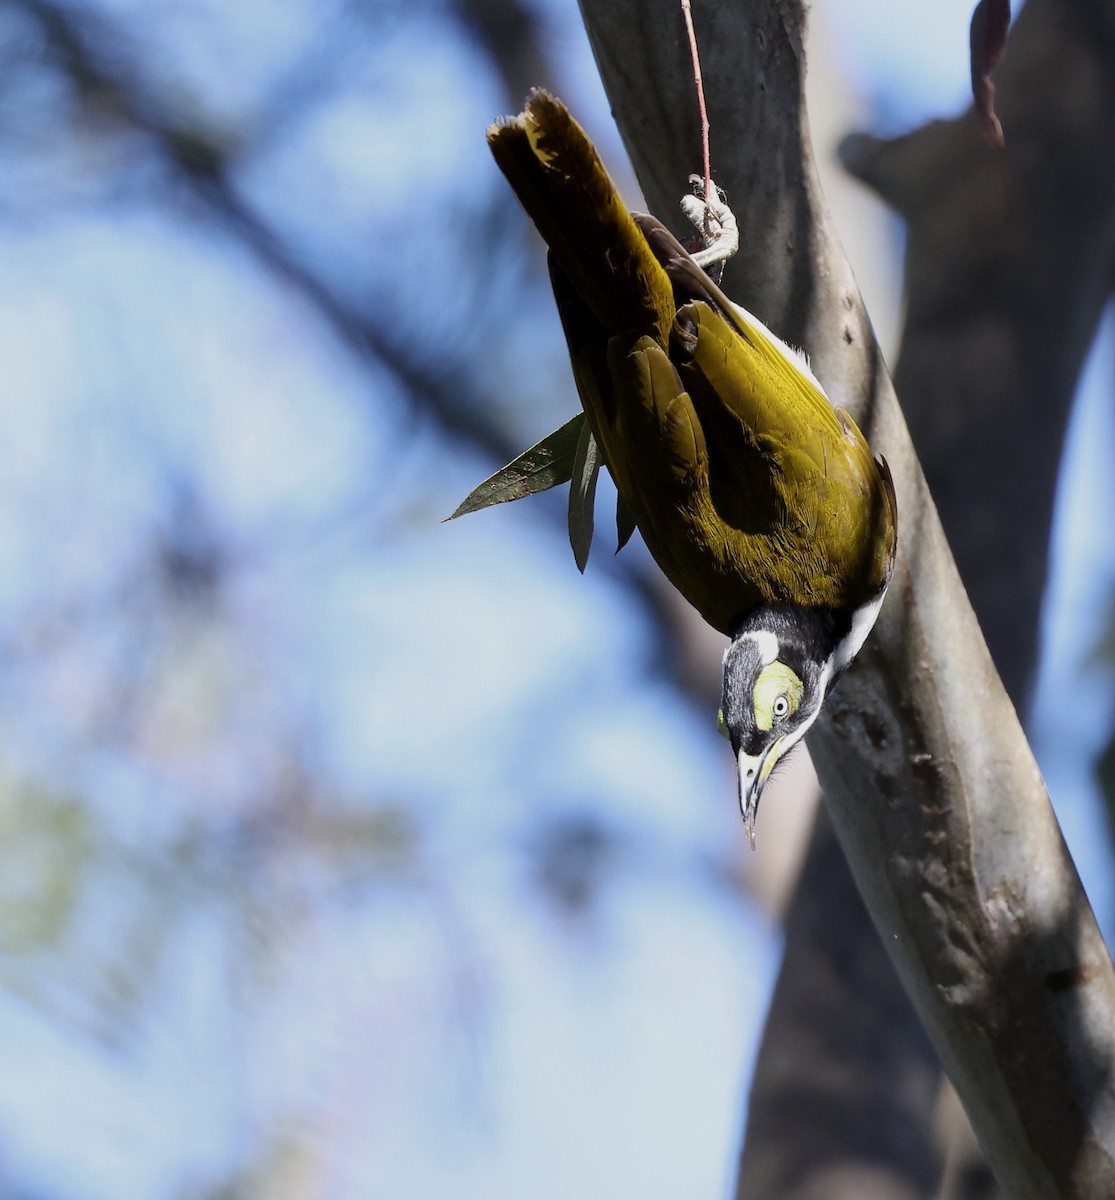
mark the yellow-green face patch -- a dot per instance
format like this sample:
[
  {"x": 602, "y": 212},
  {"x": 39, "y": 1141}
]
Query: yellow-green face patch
[
  {"x": 721, "y": 723},
  {"x": 777, "y": 694}
]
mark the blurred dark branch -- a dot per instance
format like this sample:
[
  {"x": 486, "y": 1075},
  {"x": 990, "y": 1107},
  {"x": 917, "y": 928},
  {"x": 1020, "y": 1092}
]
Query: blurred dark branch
[
  {"x": 96, "y": 59},
  {"x": 511, "y": 34},
  {"x": 95, "y": 55},
  {"x": 320, "y": 64},
  {"x": 445, "y": 392},
  {"x": 1009, "y": 262}
]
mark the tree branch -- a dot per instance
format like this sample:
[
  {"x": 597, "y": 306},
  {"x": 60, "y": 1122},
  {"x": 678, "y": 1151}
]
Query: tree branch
[
  {"x": 1009, "y": 260},
  {"x": 846, "y": 1081},
  {"x": 927, "y": 775}
]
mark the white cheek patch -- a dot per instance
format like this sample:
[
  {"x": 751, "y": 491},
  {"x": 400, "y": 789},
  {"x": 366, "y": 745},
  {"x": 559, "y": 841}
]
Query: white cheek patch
[{"x": 766, "y": 642}]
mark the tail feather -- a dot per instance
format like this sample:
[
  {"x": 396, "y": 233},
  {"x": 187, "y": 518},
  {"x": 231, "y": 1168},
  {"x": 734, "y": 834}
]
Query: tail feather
[{"x": 555, "y": 171}]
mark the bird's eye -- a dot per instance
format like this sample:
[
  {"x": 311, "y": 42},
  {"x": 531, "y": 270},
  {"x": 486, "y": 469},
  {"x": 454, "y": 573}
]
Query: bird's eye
[
  {"x": 721, "y": 724},
  {"x": 777, "y": 694}
]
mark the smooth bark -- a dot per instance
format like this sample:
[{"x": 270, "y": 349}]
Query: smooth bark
[
  {"x": 927, "y": 775},
  {"x": 845, "y": 1091}
]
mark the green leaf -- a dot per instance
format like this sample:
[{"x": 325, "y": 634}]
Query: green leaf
[
  {"x": 625, "y": 523},
  {"x": 582, "y": 493},
  {"x": 545, "y": 465}
]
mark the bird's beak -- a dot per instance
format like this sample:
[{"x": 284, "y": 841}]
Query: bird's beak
[{"x": 754, "y": 771}]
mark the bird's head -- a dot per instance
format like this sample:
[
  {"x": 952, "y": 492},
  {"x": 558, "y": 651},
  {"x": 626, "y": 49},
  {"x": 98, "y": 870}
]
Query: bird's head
[{"x": 782, "y": 661}]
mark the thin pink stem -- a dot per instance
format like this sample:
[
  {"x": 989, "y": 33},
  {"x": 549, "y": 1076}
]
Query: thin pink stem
[{"x": 687, "y": 9}]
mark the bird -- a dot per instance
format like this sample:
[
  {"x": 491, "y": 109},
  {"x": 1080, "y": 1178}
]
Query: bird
[{"x": 760, "y": 501}]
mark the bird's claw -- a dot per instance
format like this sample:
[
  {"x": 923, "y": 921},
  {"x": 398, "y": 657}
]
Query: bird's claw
[{"x": 714, "y": 222}]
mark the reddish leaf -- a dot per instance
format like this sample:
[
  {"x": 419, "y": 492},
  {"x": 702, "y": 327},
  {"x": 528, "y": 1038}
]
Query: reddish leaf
[{"x": 987, "y": 41}]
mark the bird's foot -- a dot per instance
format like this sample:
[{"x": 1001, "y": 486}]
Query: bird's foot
[{"x": 714, "y": 222}]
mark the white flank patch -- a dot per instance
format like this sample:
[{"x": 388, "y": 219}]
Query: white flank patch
[
  {"x": 795, "y": 358},
  {"x": 863, "y": 619}
]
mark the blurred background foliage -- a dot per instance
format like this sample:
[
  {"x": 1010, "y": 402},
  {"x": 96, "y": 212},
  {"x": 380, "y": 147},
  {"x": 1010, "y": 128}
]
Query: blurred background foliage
[{"x": 346, "y": 853}]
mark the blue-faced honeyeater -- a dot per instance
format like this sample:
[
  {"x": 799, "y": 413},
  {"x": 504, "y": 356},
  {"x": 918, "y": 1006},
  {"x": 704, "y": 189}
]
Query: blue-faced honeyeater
[{"x": 759, "y": 500}]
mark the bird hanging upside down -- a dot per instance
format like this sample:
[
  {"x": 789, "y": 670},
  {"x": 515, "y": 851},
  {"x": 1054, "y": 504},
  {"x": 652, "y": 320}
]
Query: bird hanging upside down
[{"x": 760, "y": 501}]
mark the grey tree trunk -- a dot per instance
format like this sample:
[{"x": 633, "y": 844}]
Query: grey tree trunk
[{"x": 927, "y": 775}]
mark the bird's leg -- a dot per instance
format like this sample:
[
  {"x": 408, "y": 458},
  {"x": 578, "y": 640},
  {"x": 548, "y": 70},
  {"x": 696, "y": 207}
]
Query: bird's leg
[{"x": 716, "y": 224}]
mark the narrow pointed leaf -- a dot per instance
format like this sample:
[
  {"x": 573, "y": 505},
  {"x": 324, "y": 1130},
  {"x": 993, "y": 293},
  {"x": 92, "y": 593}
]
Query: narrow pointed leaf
[
  {"x": 582, "y": 494},
  {"x": 625, "y": 523},
  {"x": 546, "y": 464}
]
